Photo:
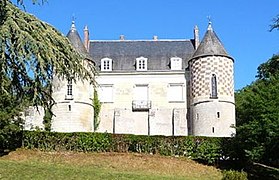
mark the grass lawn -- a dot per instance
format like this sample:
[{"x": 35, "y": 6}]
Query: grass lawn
[{"x": 30, "y": 164}]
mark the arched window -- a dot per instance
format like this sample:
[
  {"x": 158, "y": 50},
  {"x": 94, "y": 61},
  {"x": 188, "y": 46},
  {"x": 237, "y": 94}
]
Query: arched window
[{"x": 213, "y": 86}]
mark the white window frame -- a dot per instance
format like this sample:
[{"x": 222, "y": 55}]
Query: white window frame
[
  {"x": 176, "y": 63},
  {"x": 182, "y": 93},
  {"x": 141, "y": 64},
  {"x": 136, "y": 96},
  {"x": 70, "y": 87},
  {"x": 104, "y": 98},
  {"x": 69, "y": 93},
  {"x": 106, "y": 64}
]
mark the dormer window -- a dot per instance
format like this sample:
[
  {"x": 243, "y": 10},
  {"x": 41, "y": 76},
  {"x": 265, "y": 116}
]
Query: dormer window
[
  {"x": 141, "y": 64},
  {"x": 106, "y": 64},
  {"x": 176, "y": 63}
]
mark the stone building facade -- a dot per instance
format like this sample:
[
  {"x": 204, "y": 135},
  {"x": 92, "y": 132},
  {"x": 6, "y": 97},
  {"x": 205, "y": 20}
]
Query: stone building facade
[{"x": 151, "y": 87}]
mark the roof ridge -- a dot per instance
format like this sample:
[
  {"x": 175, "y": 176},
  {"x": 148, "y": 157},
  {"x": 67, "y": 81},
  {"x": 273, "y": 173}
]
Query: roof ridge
[{"x": 143, "y": 40}]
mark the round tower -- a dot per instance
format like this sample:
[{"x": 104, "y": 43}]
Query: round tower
[
  {"x": 73, "y": 108},
  {"x": 212, "y": 104}
]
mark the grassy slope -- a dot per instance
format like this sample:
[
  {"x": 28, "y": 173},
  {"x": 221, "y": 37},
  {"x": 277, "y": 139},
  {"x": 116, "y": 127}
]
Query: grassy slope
[{"x": 28, "y": 164}]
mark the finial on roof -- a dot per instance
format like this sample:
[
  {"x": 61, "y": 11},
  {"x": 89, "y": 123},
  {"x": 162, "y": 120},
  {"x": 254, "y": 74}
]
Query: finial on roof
[
  {"x": 209, "y": 23},
  {"x": 85, "y": 28},
  {"x": 73, "y": 26}
]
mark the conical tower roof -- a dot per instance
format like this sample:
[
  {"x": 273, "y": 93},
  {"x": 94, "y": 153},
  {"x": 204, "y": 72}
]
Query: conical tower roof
[
  {"x": 210, "y": 45},
  {"x": 76, "y": 41}
]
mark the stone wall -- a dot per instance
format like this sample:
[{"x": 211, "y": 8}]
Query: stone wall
[
  {"x": 212, "y": 115},
  {"x": 72, "y": 113},
  {"x": 163, "y": 117},
  {"x": 33, "y": 118}
]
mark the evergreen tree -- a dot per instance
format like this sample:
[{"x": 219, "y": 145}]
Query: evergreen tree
[{"x": 30, "y": 51}]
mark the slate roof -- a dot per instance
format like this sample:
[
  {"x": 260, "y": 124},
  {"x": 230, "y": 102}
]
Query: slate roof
[
  {"x": 76, "y": 41},
  {"x": 124, "y": 53},
  {"x": 210, "y": 45}
]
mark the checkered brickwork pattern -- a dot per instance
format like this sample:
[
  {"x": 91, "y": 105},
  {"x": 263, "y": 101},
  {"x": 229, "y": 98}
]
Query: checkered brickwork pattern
[{"x": 201, "y": 73}]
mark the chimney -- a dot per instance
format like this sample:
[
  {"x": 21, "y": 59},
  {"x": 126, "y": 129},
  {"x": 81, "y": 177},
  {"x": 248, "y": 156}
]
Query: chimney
[
  {"x": 196, "y": 37},
  {"x": 155, "y": 38},
  {"x": 86, "y": 38},
  {"x": 122, "y": 37}
]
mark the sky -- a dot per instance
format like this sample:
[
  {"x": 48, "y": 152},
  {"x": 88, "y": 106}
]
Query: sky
[{"x": 242, "y": 25}]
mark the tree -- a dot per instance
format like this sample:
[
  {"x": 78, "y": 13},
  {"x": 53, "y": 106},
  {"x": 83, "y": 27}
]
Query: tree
[
  {"x": 30, "y": 52},
  {"x": 275, "y": 24},
  {"x": 258, "y": 116},
  {"x": 10, "y": 122}
]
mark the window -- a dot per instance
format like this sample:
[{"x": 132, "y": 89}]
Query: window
[
  {"x": 218, "y": 114},
  {"x": 141, "y": 100},
  {"x": 176, "y": 63},
  {"x": 106, "y": 93},
  {"x": 141, "y": 92},
  {"x": 212, "y": 129},
  {"x": 70, "y": 87},
  {"x": 70, "y": 108},
  {"x": 106, "y": 64},
  {"x": 176, "y": 93},
  {"x": 141, "y": 64},
  {"x": 213, "y": 86}
]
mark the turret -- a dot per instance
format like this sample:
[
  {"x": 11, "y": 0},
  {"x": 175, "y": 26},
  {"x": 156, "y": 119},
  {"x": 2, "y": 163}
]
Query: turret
[
  {"x": 212, "y": 104},
  {"x": 73, "y": 110}
]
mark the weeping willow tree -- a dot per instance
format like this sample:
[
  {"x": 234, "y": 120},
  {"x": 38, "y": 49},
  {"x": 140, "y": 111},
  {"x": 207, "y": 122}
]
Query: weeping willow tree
[{"x": 31, "y": 51}]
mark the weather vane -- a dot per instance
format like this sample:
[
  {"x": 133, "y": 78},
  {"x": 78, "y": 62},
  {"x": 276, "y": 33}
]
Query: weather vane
[
  {"x": 73, "y": 18},
  {"x": 73, "y": 27},
  {"x": 209, "y": 19}
]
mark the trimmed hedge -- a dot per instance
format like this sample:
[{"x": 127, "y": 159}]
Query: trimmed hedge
[
  {"x": 234, "y": 175},
  {"x": 206, "y": 149}
]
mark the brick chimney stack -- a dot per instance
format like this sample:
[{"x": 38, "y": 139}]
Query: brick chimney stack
[
  {"x": 196, "y": 37},
  {"x": 86, "y": 38},
  {"x": 122, "y": 37},
  {"x": 155, "y": 38}
]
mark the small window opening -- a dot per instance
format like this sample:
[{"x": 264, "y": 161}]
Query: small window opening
[
  {"x": 212, "y": 129},
  {"x": 197, "y": 116},
  {"x": 213, "y": 86},
  {"x": 70, "y": 108},
  {"x": 218, "y": 114}
]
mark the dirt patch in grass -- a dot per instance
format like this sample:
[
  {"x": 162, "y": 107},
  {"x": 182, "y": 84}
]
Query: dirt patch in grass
[{"x": 129, "y": 162}]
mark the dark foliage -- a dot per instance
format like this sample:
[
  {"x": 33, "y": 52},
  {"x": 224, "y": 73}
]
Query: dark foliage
[{"x": 258, "y": 117}]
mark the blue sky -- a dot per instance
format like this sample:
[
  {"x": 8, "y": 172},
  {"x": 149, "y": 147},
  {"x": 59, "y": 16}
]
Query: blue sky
[{"x": 242, "y": 25}]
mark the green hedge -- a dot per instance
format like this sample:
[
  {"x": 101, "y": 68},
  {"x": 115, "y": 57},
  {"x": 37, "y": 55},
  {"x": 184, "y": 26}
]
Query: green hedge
[
  {"x": 234, "y": 175},
  {"x": 207, "y": 149}
]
